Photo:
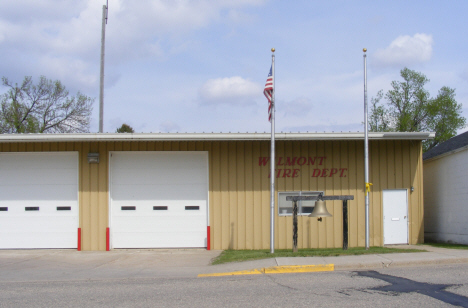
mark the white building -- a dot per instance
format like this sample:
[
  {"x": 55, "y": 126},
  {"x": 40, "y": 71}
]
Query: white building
[{"x": 446, "y": 191}]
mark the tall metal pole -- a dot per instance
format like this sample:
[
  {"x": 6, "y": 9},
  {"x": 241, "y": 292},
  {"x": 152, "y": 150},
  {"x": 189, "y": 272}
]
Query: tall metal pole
[
  {"x": 272, "y": 159},
  {"x": 101, "y": 89},
  {"x": 366, "y": 150}
]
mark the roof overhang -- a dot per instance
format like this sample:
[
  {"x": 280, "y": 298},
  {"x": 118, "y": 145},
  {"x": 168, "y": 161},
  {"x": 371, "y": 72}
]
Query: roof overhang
[
  {"x": 448, "y": 153},
  {"x": 4, "y": 138}
]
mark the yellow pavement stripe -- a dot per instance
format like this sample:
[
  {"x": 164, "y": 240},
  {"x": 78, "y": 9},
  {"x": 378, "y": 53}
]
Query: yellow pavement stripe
[
  {"x": 251, "y": 272},
  {"x": 299, "y": 269},
  {"x": 278, "y": 270}
]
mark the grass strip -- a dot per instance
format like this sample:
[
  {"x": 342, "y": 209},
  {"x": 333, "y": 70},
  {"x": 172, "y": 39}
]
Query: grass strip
[
  {"x": 248, "y": 255},
  {"x": 447, "y": 245}
]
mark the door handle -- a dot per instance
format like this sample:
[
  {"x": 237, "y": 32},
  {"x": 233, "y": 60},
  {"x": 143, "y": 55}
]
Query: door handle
[{"x": 404, "y": 217}]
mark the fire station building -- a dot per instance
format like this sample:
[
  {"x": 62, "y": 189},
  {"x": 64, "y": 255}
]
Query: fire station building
[{"x": 164, "y": 190}]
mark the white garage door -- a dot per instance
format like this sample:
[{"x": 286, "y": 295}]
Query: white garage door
[
  {"x": 159, "y": 199},
  {"x": 38, "y": 200}
]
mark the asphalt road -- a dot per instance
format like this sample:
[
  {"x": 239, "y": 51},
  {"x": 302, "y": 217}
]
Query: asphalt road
[{"x": 428, "y": 286}]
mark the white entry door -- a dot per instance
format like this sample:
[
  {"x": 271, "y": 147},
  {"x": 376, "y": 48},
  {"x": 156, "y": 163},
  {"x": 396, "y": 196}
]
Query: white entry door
[
  {"x": 395, "y": 212},
  {"x": 39, "y": 200},
  {"x": 159, "y": 199}
]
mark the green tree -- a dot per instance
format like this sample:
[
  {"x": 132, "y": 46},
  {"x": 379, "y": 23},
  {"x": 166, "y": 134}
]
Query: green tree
[
  {"x": 409, "y": 108},
  {"x": 125, "y": 128},
  {"x": 45, "y": 107},
  {"x": 379, "y": 120}
]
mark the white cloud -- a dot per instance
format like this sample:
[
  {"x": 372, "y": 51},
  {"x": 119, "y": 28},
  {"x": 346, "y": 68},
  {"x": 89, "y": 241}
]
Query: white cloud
[
  {"x": 464, "y": 74},
  {"x": 230, "y": 90},
  {"x": 135, "y": 26},
  {"x": 50, "y": 34},
  {"x": 61, "y": 67},
  {"x": 326, "y": 127},
  {"x": 169, "y": 127},
  {"x": 33, "y": 10},
  {"x": 61, "y": 38},
  {"x": 238, "y": 17},
  {"x": 298, "y": 107},
  {"x": 406, "y": 50}
]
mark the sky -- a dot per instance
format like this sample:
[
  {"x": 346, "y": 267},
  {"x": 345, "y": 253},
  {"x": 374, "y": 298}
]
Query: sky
[{"x": 201, "y": 65}]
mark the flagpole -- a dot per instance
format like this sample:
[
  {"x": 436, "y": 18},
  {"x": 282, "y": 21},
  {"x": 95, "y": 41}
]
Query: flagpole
[
  {"x": 366, "y": 151},
  {"x": 101, "y": 83},
  {"x": 272, "y": 159}
]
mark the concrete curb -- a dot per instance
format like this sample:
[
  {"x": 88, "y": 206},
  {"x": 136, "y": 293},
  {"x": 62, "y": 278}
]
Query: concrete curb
[
  {"x": 402, "y": 263},
  {"x": 432, "y": 256},
  {"x": 337, "y": 267},
  {"x": 277, "y": 270}
]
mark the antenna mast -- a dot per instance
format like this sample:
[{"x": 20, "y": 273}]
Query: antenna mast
[{"x": 101, "y": 89}]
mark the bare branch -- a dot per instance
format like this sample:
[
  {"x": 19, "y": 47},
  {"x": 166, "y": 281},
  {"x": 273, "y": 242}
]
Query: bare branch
[{"x": 45, "y": 107}]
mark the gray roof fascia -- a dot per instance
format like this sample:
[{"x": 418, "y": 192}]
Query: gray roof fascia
[
  {"x": 427, "y": 160},
  {"x": 209, "y": 136},
  {"x": 449, "y": 146}
]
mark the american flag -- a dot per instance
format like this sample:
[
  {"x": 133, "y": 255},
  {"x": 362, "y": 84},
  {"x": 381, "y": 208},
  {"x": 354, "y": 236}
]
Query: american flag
[{"x": 268, "y": 91}]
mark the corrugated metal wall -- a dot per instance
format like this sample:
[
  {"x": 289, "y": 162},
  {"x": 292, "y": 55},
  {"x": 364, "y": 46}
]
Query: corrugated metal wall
[
  {"x": 239, "y": 198},
  {"x": 239, "y": 188}
]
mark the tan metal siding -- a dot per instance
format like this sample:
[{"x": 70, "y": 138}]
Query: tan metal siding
[
  {"x": 215, "y": 195},
  {"x": 94, "y": 197},
  {"x": 393, "y": 164},
  {"x": 239, "y": 188},
  {"x": 241, "y": 206},
  {"x": 249, "y": 196},
  {"x": 375, "y": 198},
  {"x": 231, "y": 176},
  {"x": 257, "y": 189}
]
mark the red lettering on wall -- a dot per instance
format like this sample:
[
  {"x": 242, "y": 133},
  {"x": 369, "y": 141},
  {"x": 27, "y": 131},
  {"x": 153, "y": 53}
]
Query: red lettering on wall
[
  {"x": 342, "y": 172},
  {"x": 316, "y": 173},
  {"x": 262, "y": 161},
  {"x": 295, "y": 173},
  {"x": 290, "y": 162},
  {"x": 286, "y": 173},
  {"x": 278, "y": 173},
  {"x": 301, "y": 161}
]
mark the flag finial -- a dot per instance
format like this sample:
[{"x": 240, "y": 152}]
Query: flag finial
[
  {"x": 273, "y": 50},
  {"x": 364, "y": 49}
]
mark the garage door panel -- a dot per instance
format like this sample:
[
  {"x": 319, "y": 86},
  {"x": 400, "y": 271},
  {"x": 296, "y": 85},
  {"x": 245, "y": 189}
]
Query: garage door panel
[
  {"x": 23, "y": 240},
  {"x": 39, "y": 198},
  {"x": 159, "y": 240},
  {"x": 164, "y": 214},
  {"x": 41, "y": 161},
  {"x": 15, "y": 212},
  {"x": 39, "y": 177},
  {"x": 160, "y": 192},
  {"x": 155, "y": 222},
  {"x": 153, "y": 179},
  {"x": 144, "y": 213},
  {"x": 162, "y": 227},
  {"x": 39, "y": 193},
  {"x": 175, "y": 183},
  {"x": 145, "y": 207},
  {"x": 157, "y": 177},
  {"x": 146, "y": 160},
  {"x": 37, "y": 224}
]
